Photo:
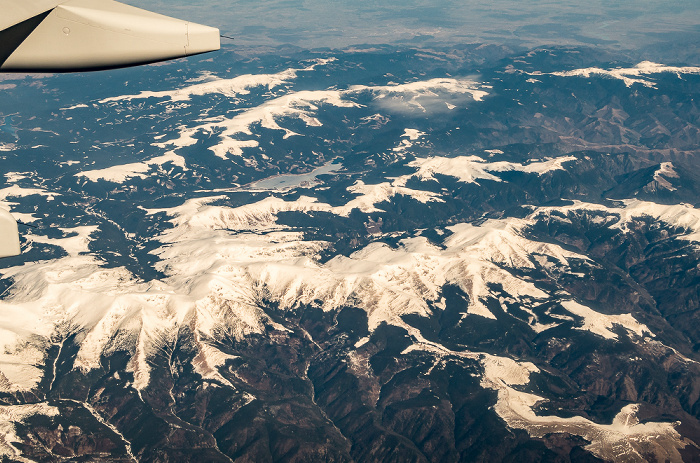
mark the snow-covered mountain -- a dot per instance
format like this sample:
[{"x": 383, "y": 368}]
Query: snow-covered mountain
[{"x": 340, "y": 256}]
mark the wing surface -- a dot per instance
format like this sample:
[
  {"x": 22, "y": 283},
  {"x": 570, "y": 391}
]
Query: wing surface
[
  {"x": 9, "y": 237},
  {"x": 13, "y": 12},
  {"x": 85, "y": 35}
]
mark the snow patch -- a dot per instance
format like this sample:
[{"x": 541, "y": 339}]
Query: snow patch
[
  {"x": 77, "y": 241},
  {"x": 413, "y": 134},
  {"x": 77, "y": 106},
  {"x": 662, "y": 175},
  {"x": 369, "y": 195},
  {"x": 121, "y": 173},
  {"x": 16, "y": 191},
  {"x": 13, "y": 177},
  {"x": 602, "y": 324}
]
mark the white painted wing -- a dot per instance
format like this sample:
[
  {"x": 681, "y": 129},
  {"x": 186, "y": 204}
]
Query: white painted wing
[
  {"x": 80, "y": 35},
  {"x": 9, "y": 237},
  {"x": 13, "y": 12}
]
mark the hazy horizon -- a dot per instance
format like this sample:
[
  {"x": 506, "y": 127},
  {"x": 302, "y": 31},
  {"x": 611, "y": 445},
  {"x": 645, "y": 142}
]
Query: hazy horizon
[{"x": 625, "y": 25}]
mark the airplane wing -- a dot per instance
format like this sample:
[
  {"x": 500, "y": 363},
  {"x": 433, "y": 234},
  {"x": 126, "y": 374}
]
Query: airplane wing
[
  {"x": 88, "y": 35},
  {"x": 9, "y": 237},
  {"x": 82, "y": 35}
]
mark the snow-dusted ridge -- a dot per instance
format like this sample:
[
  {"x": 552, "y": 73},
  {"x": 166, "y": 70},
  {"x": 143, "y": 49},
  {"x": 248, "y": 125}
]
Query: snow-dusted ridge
[
  {"x": 473, "y": 257},
  {"x": 625, "y": 439},
  {"x": 602, "y": 324},
  {"x": 214, "y": 276},
  {"x": 634, "y": 75},
  {"x": 120, "y": 173},
  {"x": 303, "y": 105},
  {"x": 197, "y": 214},
  {"x": 469, "y": 169},
  {"x": 216, "y": 279},
  {"x": 239, "y": 85},
  {"x": 682, "y": 216},
  {"x": 665, "y": 172},
  {"x": 76, "y": 241}
]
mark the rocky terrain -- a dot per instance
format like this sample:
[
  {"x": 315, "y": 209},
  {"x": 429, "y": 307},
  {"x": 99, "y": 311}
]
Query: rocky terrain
[{"x": 472, "y": 253}]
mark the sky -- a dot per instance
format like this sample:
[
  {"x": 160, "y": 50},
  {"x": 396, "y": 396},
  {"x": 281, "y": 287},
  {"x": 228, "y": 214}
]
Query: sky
[{"x": 624, "y": 24}]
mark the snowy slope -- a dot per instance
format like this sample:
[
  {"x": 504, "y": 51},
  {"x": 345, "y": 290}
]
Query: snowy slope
[{"x": 634, "y": 75}]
